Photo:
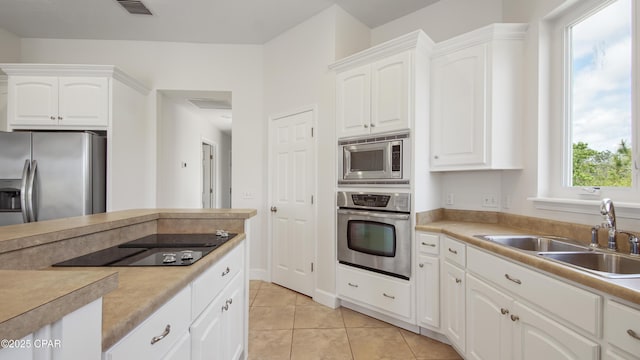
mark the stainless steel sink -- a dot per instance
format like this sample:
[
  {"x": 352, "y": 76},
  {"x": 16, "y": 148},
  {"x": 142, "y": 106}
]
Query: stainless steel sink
[
  {"x": 535, "y": 243},
  {"x": 604, "y": 264}
]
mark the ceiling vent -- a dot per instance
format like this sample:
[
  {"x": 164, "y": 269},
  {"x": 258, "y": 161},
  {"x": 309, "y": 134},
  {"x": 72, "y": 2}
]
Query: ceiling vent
[
  {"x": 204, "y": 103},
  {"x": 134, "y": 7}
]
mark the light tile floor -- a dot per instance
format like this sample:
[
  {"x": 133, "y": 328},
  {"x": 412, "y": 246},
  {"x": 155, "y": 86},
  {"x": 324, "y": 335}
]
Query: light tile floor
[{"x": 284, "y": 324}]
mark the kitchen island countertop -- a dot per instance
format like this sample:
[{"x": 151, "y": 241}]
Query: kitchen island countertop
[{"x": 34, "y": 295}]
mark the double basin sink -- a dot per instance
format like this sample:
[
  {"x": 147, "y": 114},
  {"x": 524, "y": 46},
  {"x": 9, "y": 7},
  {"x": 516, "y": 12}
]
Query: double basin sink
[{"x": 569, "y": 252}]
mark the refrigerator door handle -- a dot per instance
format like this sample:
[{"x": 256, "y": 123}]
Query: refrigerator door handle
[
  {"x": 30, "y": 201},
  {"x": 23, "y": 190}
]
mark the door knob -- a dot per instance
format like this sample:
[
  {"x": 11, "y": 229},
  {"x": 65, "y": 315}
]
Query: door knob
[{"x": 274, "y": 209}]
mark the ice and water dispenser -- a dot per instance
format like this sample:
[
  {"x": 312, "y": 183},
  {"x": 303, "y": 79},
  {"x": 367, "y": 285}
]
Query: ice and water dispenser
[{"x": 10, "y": 195}]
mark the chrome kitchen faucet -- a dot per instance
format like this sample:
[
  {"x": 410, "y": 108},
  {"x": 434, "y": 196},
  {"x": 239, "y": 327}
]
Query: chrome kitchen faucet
[{"x": 608, "y": 212}]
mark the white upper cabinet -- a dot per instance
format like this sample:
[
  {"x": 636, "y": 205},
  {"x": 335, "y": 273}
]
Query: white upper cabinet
[
  {"x": 376, "y": 88},
  {"x": 58, "y": 101},
  {"x": 476, "y": 100}
]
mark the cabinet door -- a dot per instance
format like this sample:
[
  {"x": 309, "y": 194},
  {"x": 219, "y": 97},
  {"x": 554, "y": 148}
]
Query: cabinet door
[
  {"x": 489, "y": 328},
  {"x": 181, "y": 350},
  {"x": 207, "y": 332},
  {"x": 390, "y": 93},
  {"x": 428, "y": 275},
  {"x": 33, "y": 100},
  {"x": 83, "y": 101},
  {"x": 538, "y": 337},
  {"x": 234, "y": 318},
  {"x": 453, "y": 292},
  {"x": 458, "y": 117},
  {"x": 353, "y": 102}
]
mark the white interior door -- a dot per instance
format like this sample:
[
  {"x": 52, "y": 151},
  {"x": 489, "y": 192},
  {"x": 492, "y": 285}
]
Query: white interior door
[
  {"x": 208, "y": 176},
  {"x": 292, "y": 177}
]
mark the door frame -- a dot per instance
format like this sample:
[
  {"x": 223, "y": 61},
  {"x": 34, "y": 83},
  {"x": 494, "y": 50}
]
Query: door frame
[
  {"x": 314, "y": 120},
  {"x": 216, "y": 169}
]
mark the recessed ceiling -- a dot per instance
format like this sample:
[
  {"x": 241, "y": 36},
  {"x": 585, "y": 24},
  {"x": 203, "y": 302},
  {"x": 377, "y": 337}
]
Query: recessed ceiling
[
  {"x": 212, "y": 106},
  {"x": 201, "y": 21}
]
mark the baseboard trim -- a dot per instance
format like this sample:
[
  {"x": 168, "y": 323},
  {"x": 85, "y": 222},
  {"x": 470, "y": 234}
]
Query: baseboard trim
[
  {"x": 326, "y": 298},
  {"x": 379, "y": 316},
  {"x": 259, "y": 274}
]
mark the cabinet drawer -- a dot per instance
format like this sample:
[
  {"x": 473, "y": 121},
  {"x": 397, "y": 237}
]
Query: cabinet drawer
[
  {"x": 454, "y": 251},
  {"x": 621, "y": 323},
  {"x": 578, "y": 307},
  {"x": 377, "y": 291},
  {"x": 208, "y": 285},
  {"x": 173, "y": 316},
  {"x": 428, "y": 243}
]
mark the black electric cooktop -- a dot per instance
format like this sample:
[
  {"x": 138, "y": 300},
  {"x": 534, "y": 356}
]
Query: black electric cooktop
[{"x": 154, "y": 250}]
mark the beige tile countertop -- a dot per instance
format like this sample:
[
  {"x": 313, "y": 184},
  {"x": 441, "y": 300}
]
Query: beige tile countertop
[
  {"x": 35, "y": 294},
  {"x": 143, "y": 290},
  {"x": 627, "y": 289},
  {"x": 32, "y": 299}
]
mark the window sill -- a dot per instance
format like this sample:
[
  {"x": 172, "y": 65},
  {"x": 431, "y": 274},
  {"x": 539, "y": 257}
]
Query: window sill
[{"x": 590, "y": 207}]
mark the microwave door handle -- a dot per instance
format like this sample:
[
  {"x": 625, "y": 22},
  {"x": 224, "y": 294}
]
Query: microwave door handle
[
  {"x": 377, "y": 215},
  {"x": 23, "y": 190}
]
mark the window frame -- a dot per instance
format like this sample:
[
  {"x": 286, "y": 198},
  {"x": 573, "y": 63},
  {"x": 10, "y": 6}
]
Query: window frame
[{"x": 559, "y": 174}]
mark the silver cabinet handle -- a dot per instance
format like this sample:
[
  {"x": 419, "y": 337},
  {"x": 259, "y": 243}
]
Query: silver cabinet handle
[
  {"x": 226, "y": 304},
  {"x": 274, "y": 209},
  {"x": 633, "y": 334},
  {"x": 458, "y": 281},
  {"x": 229, "y": 301},
  {"x": 52, "y": 117},
  {"x": 515, "y": 318},
  {"x": 373, "y": 125},
  {"x": 226, "y": 271},
  {"x": 389, "y": 296},
  {"x": 421, "y": 265},
  {"x": 455, "y": 252},
  {"x": 427, "y": 244},
  {"x": 436, "y": 157},
  {"x": 59, "y": 117},
  {"x": 504, "y": 311},
  {"x": 366, "y": 126},
  {"x": 164, "y": 334},
  {"x": 512, "y": 279},
  {"x": 353, "y": 285}
]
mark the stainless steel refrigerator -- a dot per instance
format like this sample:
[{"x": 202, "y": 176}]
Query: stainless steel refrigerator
[{"x": 50, "y": 175}]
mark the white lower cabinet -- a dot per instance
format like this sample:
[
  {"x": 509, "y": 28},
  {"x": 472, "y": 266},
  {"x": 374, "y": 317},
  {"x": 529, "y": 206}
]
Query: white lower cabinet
[
  {"x": 453, "y": 301},
  {"x": 428, "y": 280},
  {"x": 377, "y": 292},
  {"x": 538, "y": 337},
  {"x": 215, "y": 331},
  {"x": 489, "y": 328},
  {"x": 503, "y": 321},
  {"x": 180, "y": 350},
  {"x": 218, "y": 332},
  {"x": 621, "y": 331}
]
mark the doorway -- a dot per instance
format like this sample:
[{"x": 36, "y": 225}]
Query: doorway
[
  {"x": 292, "y": 164},
  {"x": 209, "y": 176}
]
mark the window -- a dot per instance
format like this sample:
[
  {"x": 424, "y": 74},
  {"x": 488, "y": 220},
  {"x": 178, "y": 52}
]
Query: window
[
  {"x": 592, "y": 96},
  {"x": 599, "y": 97}
]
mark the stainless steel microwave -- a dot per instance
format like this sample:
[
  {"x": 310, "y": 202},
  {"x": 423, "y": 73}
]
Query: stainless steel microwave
[{"x": 375, "y": 160}]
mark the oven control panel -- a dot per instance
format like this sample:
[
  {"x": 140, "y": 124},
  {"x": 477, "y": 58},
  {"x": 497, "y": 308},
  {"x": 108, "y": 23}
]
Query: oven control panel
[{"x": 400, "y": 202}]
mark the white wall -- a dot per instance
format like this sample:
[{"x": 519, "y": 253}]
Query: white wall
[
  {"x": 186, "y": 66},
  {"x": 9, "y": 47},
  {"x": 443, "y": 20},
  {"x": 181, "y": 132},
  {"x": 296, "y": 75}
]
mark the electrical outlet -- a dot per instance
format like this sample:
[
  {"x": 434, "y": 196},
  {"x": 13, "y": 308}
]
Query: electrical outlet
[
  {"x": 489, "y": 200},
  {"x": 450, "y": 199}
]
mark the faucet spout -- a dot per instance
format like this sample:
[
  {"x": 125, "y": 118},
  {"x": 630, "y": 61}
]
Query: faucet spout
[{"x": 608, "y": 212}]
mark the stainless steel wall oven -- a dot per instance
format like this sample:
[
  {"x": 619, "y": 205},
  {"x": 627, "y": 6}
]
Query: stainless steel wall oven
[{"x": 374, "y": 232}]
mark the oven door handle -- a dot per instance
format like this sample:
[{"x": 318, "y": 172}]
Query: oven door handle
[{"x": 376, "y": 214}]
